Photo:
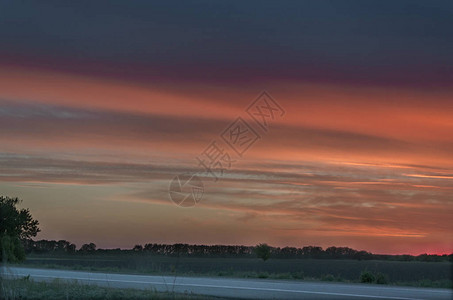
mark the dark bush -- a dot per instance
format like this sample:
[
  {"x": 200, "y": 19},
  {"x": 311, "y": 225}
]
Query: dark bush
[
  {"x": 298, "y": 275},
  {"x": 328, "y": 277},
  {"x": 367, "y": 277},
  {"x": 381, "y": 278}
]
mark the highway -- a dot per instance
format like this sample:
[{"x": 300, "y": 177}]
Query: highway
[{"x": 235, "y": 288}]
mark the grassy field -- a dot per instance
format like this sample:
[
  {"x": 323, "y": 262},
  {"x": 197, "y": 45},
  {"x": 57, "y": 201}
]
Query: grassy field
[
  {"x": 56, "y": 290},
  {"x": 432, "y": 274}
]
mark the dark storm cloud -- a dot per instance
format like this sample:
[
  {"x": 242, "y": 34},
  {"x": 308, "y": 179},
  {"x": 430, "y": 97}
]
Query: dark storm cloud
[{"x": 386, "y": 42}]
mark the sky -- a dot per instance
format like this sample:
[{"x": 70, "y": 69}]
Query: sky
[{"x": 103, "y": 103}]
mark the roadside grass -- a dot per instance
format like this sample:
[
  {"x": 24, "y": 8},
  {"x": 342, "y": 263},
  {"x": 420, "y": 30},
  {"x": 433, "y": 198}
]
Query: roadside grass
[
  {"x": 445, "y": 283},
  {"x": 27, "y": 289}
]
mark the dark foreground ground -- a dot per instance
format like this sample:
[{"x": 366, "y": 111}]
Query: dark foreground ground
[
  {"x": 413, "y": 273},
  {"x": 229, "y": 287}
]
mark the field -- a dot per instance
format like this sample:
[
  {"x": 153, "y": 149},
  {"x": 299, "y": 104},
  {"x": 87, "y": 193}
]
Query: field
[{"x": 433, "y": 274}]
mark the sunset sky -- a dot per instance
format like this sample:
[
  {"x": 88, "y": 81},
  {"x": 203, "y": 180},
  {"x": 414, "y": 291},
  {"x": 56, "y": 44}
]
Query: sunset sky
[{"x": 102, "y": 104}]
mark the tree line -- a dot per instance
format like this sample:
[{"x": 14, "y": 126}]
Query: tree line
[
  {"x": 17, "y": 228},
  {"x": 315, "y": 252}
]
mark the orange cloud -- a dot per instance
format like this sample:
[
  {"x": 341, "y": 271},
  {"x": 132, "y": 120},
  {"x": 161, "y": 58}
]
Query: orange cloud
[{"x": 345, "y": 165}]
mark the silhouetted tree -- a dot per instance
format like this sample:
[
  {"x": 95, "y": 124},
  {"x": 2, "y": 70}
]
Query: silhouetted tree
[
  {"x": 263, "y": 251},
  {"x": 138, "y": 248},
  {"x": 312, "y": 251},
  {"x": 15, "y": 225},
  {"x": 71, "y": 248},
  {"x": 91, "y": 247}
]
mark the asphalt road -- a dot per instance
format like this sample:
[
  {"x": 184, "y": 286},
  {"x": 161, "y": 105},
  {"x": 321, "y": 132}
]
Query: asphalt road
[{"x": 237, "y": 288}]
